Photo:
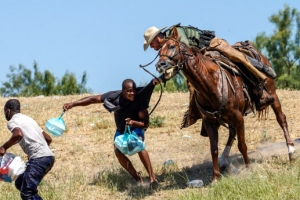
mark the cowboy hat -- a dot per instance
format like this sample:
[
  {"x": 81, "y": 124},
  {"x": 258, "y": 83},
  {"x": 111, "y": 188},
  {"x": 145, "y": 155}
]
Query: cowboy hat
[{"x": 150, "y": 34}]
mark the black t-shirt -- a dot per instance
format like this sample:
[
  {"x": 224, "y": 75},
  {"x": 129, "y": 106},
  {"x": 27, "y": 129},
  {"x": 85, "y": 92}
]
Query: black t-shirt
[{"x": 129, "y": 109}]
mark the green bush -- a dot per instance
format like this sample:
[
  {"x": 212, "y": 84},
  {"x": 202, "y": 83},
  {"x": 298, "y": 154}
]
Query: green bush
[{"x": 156, "y": 121}]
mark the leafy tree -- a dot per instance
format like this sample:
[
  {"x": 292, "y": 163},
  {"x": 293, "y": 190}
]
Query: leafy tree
[
  {"x": 283, "y": 47},
  {"x": 177, "y": 83},
  {"x": 69, "y": 85},
  {"x": 22, "y": 82},
  {"x": 180, "y": 83}
]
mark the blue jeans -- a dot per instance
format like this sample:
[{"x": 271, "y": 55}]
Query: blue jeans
[{"x": 28, "y": 182}]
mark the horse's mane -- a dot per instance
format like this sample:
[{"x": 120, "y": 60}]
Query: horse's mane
[
  {"x": 206, "y": 62},
  {"x": 195, "y": 50}
]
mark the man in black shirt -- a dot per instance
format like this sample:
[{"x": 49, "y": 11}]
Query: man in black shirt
[{"x": 130, "y": 109}]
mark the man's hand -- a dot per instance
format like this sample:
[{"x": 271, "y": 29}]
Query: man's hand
[
  {"x": 129, "y": 122},
  {"x": 155, "y": 81},
  {"x": 2, "y": 151},
  {"x": 67, "y": 106}
]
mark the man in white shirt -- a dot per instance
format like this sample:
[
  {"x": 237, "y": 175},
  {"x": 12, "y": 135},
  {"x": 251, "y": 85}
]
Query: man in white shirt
[{"x": 34, "y": 142}]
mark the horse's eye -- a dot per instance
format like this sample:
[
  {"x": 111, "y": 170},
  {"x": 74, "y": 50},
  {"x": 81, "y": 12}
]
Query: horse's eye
[{"x": 172, "y": 47}]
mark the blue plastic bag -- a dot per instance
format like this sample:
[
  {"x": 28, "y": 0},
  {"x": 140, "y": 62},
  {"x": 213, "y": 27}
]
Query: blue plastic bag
[
  {"x": 121, "y": 143},
  {"x": 56, "y": 126},
  {"x": 134, "y": 143},
  {"x": 129, "y": 143}
]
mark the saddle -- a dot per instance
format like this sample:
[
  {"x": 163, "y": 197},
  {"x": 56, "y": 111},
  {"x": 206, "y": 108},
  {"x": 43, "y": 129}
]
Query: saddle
[
  {"x": 248, "y": 49},
  {"x": 192, "y": 114}
]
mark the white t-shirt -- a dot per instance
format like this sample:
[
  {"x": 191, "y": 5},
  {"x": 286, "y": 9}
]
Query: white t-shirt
[{"x": 33, "y": 142}]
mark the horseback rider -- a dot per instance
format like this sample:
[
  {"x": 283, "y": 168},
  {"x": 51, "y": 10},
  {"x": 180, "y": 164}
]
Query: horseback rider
[{"x": 206, "y": 40}]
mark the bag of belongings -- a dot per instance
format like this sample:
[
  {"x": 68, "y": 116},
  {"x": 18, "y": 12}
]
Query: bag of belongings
[
  {"x": 11, "y": 166},
  {"x": 129, "y": 142},
  {"x": 56, "y": 126}
]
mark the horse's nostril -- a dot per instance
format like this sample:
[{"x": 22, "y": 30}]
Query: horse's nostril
[
  {"x": 159, "y": 68},
  {"x": 161, "y": 64}
]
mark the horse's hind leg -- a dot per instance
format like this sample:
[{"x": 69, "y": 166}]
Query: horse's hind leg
[
  {"x": 281, "y": 119},
  {"x": 224, "y": 158}
]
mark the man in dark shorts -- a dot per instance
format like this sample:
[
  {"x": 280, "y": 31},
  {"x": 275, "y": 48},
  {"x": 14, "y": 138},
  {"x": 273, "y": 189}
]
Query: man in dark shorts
[{"x": 130, "y": 109}]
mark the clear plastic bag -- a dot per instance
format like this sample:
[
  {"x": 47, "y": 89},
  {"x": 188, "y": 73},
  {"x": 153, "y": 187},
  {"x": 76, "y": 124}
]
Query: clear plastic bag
[
  {"x": 56, "y": 126},
  {"x": 11, "y": 167}
]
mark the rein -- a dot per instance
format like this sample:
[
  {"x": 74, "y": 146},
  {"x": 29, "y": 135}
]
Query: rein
[{"x": 143, "y": 67}]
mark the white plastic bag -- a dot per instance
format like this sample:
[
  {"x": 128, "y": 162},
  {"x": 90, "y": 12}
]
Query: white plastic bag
[{"x": 11, "y": 167}]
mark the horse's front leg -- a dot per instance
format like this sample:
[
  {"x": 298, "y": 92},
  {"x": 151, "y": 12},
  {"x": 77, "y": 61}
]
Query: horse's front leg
[
  {"x": 224, "y": 158},
  {"x": 212, "y": 131},
  {"x": 281, "y": 119}
]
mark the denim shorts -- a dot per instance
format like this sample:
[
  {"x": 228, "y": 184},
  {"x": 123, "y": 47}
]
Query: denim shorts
[{"x": 140, "y": 132}]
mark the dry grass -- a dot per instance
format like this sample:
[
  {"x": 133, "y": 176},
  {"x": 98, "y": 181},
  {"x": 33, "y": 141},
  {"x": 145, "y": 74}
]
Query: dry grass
[{"x": 86, "y": 167}]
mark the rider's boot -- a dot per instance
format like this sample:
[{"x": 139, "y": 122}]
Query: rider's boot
[{"x": 269, "y": 71}]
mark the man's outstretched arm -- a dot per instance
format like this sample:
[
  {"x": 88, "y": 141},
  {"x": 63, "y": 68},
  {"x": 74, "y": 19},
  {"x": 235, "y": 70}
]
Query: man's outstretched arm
[{"x": 83, "y": 102}]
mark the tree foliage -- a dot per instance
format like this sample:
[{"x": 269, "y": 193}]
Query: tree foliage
[
  {"x": 176, "y": 84},
  {"x": 25, "y": 82},
  {"x": 283, "y": 47}
]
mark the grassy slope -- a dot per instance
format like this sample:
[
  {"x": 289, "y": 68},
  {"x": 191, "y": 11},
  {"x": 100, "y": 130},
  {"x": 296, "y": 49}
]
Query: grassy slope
[{"x": 86, "y": 167}]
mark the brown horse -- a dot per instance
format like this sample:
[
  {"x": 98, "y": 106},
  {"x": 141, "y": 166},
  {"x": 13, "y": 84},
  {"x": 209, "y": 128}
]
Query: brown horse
[{"x": 219, "y": 96}]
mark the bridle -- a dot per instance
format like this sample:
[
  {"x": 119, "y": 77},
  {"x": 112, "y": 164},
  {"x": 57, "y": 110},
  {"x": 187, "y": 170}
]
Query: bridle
[
  {"x": 182, "y": 50},
  {"x": 179, "y": 66}
]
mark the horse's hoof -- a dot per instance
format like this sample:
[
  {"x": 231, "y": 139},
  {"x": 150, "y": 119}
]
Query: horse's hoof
[{"x": 214, "y": 182}]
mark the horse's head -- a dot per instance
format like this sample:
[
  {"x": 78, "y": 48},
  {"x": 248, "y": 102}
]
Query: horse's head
[{"x": 169, "y": 56}]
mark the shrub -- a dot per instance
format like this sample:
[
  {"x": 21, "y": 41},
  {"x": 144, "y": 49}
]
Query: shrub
[{"x": 156, "y": 121}]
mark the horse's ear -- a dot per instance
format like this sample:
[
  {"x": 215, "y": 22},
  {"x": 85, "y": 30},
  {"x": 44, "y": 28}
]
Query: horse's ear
[{"x": 175, "y": 33}]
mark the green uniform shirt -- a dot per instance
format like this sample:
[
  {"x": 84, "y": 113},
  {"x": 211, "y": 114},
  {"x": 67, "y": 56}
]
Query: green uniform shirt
[{"x": 191, "y": 36}]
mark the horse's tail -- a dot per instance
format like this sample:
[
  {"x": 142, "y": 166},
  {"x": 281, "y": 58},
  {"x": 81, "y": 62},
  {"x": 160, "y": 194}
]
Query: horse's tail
[{"x": 263, "y": 114}]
